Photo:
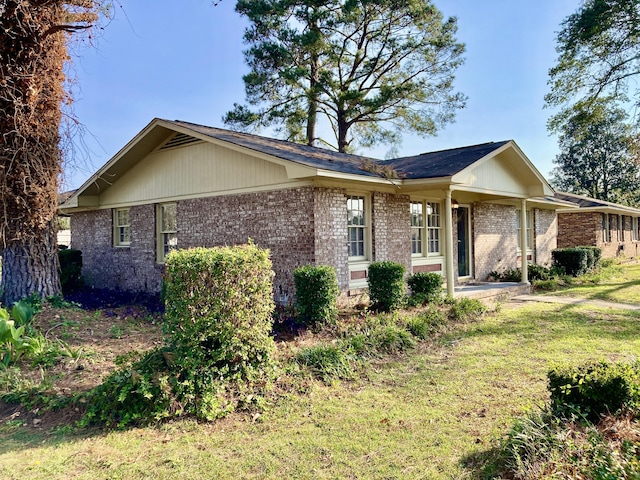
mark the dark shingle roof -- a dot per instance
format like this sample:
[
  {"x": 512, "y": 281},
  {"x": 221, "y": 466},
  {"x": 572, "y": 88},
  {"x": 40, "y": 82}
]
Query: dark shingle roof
[
  {"x": 310, "y": 156},
  {"x": 588, "y": 202},
  {"x": 443, "y": 163}
]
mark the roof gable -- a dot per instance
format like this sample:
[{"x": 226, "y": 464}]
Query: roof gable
[{"x": 495, "y": 168}]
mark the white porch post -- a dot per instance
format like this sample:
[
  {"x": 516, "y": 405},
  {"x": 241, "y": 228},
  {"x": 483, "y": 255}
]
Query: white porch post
[
  {"x": 448, "y": 238},
  {"x": 523, "y": 242}
]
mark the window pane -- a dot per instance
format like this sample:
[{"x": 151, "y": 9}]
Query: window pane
[{"x": 169, "y": 220}]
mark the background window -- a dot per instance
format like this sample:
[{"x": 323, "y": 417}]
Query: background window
[
  {"x": 434, "y": 227},
  {"x": 168, "y": 234},
  {"x": 430, "y": 229},
  {"x": 356, "y": 226},
  {"x": 122, "y": 227},
  {"x": 417, "y": 226},
  {"x": 529, "y": 227}
]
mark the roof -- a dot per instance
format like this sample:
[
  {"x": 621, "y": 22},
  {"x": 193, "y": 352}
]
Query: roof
[
  {"x": 593, "y": 204},
  {"x": 294, "y": 152},
  {"x": 443, "y": 163},
  {"x": 444, "y": 167}
]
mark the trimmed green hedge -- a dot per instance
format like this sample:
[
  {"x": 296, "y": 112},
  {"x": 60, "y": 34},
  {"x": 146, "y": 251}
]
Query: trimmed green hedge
[
  {"x": 218, "y": 319},
  {"x": 574, "y": 261},
  {"x": 426, "y": 286},
  {"x": 386, "y": 286},
  {"x": 316, "y": 294},
  {"x": 595, "y": 388}
]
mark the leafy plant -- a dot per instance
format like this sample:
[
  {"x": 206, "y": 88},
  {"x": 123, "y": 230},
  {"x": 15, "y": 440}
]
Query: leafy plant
[
  {"x": 386, "y": 285},
  {"x": 316, "y": 294},
  {"x": 595, "y": 388},
  {"x": 465, "y": 309},
  {"x": 327, "y": 361},
  {"x": 425, "y": 286}
]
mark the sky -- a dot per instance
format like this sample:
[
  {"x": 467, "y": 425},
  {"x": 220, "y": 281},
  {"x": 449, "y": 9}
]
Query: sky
[{"x": 158, "y": 59}]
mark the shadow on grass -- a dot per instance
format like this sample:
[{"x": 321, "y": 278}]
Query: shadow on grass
[{"x": 485, "y": 464}]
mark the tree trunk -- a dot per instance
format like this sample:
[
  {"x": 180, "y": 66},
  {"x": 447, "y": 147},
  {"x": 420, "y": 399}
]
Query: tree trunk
[
  {"x": 343, "y": 128},
  {"x": 30, "y": 267},
  {"x": 312, "y": 112}
]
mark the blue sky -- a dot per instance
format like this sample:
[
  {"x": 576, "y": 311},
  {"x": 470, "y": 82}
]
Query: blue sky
[{"x": 158, "y": 59}]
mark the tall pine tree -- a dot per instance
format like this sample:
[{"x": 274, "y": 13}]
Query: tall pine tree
[{"x": 371, "y": 69}]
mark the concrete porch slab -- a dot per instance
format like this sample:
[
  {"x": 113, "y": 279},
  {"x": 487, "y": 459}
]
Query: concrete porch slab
[{"x": 491, "y": 290}]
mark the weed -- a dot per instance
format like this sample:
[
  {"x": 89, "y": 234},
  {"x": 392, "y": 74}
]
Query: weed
[
  {"x": 329, "y": 362},
  {"x": 467, "y": 309}
]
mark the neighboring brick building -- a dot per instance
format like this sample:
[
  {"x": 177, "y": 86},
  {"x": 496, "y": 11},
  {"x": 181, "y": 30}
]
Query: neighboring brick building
[
  {"x": 611, "y": 226},
  {"x": 180, "y": 185}
]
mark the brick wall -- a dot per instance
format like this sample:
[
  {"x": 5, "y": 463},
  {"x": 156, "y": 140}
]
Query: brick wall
[
  {"x": 585, "y": 228},
  {"x": 546, "y": 234},
  {"x": 330, "y": 222},
  {"x": 391, "y": 229},
  {"x": 126, "y": 268},
  {"x": 576, "y": 229},
  {"x": 280, "y": 220},
  {"x": 494, "y": 238}
]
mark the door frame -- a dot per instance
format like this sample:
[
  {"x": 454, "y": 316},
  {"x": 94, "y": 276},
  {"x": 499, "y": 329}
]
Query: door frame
[{"x": 469, "y": 243}]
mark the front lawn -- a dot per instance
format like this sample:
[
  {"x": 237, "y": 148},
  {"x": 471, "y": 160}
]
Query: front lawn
[
  {"x": 436, "y": 412},
  {"x": 613, "y": 283}
]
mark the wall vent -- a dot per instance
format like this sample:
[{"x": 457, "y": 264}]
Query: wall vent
[{"x": 179, "y": 140}]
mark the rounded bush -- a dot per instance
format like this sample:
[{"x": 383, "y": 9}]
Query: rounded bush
[
  {"x": 386, "y": 285},
  {"x": 316, "y": 294}
]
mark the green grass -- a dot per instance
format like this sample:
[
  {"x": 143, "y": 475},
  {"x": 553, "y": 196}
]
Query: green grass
[
  {"x": 437, "y": 412},
  {"x": 615, "y": 283}
]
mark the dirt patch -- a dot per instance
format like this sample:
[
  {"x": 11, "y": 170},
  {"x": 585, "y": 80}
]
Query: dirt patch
[{"x": 93, "y": 340}]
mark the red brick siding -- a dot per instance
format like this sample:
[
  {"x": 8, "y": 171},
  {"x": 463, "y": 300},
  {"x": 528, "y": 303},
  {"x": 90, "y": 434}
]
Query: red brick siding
[
  {"x": 585, "y": 228},
  {"x": 546, "y": 234},
  {"x": 494, "y": 238},
  {"x": 126, "y": 268},
  {"x": 280, "y": 220},
  {"x": 391, "y": 229},
  {"x": 330, "y": 221}
]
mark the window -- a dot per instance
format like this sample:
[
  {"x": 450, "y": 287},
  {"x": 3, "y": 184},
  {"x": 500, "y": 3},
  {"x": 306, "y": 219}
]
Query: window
[
  {"x": 121, "y": 227},
  {"x": 425, "y": 236},
  {"x": 606, "y": 228},
  {"x": 356, "y": 227},
  {"x": 621, "y": 228},
  {"x": 167, "y": 229},
  {"x": 634, "y": 229},
  {"x": 529, "y": 227},
  {"x": 417, "y": 227}
]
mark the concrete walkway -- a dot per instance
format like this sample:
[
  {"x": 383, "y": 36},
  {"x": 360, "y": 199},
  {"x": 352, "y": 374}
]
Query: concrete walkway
[{"x": 573, "y": 301}]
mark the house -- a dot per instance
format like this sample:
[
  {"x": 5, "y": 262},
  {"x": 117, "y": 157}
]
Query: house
[
  {"x": 462, "y": 212},
  {"x": 611, "y": 226}
]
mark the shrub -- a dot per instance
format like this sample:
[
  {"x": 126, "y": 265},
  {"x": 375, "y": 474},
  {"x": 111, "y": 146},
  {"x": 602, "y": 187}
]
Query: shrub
[
  {"x": 426, "y": 323},
  {"x": 538, "y": 272},
  {"x": 595, "y": 388},
  {"x": 386, "y": 285},
  {"x": 135, "y": 393},
  {"x": 316, "y": 293},
  {"x": 427, "y": 286},
  {"x": 574, "y": 261},
  {"x": 326, "y": 361},
  {"x": 218, "y": 319},
  {"x": 595, "y": 257},
  {"x": 465, "y": 309},
  {"x": 70, "y": 269}
]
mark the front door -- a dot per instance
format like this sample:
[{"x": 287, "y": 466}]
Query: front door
[{"x": 464, "y": 243}]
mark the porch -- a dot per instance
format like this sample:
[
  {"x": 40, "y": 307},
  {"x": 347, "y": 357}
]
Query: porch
[{"x": 491, "y": 290}]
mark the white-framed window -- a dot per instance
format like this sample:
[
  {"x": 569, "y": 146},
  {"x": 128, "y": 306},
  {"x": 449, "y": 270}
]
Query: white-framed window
[
  {"x": 606, "y": 228},
  {"x": 357, "y": 227},
  {"x": 167, "y": 235},
  {"x": 529, "y": 227},
  {"x": 417, "y": 227},
  {"x": 621, "y": 228},
  {"x": 121, "y": 227},
  {"x": 426, "y": 228},
  {"x": 634, "y": 229}
]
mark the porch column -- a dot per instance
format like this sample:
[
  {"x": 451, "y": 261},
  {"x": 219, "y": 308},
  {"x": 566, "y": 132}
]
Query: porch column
[
  {"x": 523, "y": 242},
  {"x": 448, "y": 239}
]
